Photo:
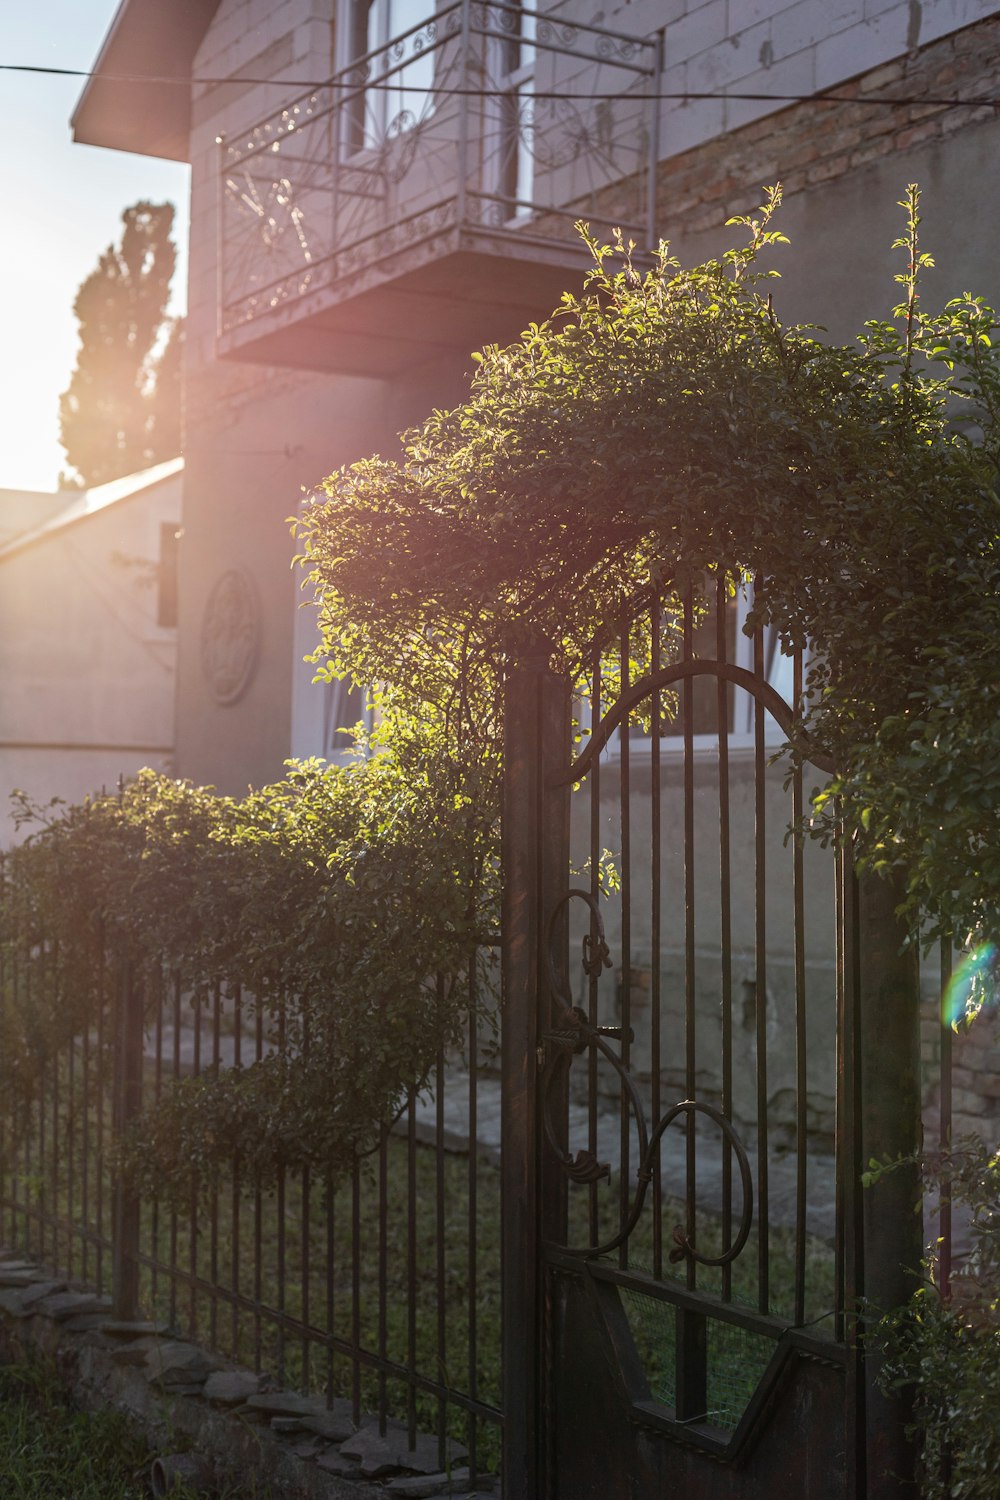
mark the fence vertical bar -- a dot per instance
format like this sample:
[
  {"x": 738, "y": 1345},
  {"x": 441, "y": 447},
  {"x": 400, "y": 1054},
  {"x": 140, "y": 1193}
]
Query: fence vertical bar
[
  {"x": 411, "y": 1267},
  {"x": 593, "y": 981},
  {"x": 691, "y": 1331},
  {"x": 625, "y": 988},
  {"x": 760, "y": 980},
  {"x": 383, "y": 1273},
  {"x": 801, "y": 1048},
  {"x": 154, "y": 1228},
  {"x": 690, "y": 1011},
  {"x": 305, "y": 1244},
  {"x": 5, "y": 937},
  {"x": 213, "y": 1261},
  {"x": 29, "y": 1134},
  {"x": 175, "y": 1073},
  {"x": 127, "y": 1102},
  {"x": 40, "y": 1136},
  {"x": 234, "y": 1205},
  {"x": 440, "y": 1268},
  {"x": 722, "y": 712},
  {"x": 656, "y": 900},
  {"x": 194, "y": 1196},
  {"x": 281, "y": 1215},
  {"x": 535, "y": 863},
  {"x": 473, "y": 1184}
]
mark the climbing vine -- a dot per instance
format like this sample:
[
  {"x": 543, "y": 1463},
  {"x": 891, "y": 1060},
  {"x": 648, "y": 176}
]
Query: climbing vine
[
  {"x": 669, "y": 424},
  {"x": 942, "y": 1346}
]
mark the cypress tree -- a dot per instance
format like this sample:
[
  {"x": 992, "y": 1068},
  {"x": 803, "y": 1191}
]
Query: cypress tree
[{"x": 121, "y": 411}]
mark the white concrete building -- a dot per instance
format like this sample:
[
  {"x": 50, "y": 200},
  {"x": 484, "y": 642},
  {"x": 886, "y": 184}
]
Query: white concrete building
[{"x": 88, "y": 636}]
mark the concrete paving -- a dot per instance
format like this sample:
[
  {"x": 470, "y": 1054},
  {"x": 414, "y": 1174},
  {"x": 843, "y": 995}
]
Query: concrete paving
[
  {"x": 782, "y": 1166},
  {"x": 820, "y": 1190}
]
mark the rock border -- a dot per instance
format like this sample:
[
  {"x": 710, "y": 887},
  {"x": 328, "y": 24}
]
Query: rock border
[{"x": 181, "y": 1396}]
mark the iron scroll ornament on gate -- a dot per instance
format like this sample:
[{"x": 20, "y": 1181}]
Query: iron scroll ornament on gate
[{"x": 573, "y": 1036}]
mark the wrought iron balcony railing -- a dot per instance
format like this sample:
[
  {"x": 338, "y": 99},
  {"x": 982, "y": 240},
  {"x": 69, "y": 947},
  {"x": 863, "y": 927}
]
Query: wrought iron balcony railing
[{"x": 485, "y": 130}]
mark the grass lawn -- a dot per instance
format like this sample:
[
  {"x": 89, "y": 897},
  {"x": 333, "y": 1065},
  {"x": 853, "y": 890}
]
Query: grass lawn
[{"x": 50, "y": 1451}]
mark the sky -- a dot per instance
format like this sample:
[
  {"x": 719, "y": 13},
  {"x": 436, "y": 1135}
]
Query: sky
[{"x": 64, "y": 205}]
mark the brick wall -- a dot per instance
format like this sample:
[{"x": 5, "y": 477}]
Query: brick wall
[
  {"x": 773, "y": 47},
  {"x": 814, "y": 143},
  {"x": 975, "y": 1076}
]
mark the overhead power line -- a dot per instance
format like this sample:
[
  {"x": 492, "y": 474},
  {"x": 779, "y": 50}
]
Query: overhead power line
[{"x": 398, "y": 84}]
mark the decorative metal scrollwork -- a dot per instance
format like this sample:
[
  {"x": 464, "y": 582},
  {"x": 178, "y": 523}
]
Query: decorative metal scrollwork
[
  {"x": 573, "y": 1035},
  {"x": 322, "y": 194}
]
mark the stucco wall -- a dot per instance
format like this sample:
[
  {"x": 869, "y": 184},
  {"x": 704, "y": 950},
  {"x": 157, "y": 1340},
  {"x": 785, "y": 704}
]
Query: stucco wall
[
  {"x": 87, "y": 674},
  {"x": 257, "y": 436}
]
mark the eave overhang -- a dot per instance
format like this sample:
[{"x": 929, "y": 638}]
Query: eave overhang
[{"x": 138, "y": 97}]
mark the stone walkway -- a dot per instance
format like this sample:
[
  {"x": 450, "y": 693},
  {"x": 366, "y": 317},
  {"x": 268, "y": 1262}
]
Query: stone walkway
[
  {"x": 782, "y": 1165},
  {"x": 820, "y": 1184}
]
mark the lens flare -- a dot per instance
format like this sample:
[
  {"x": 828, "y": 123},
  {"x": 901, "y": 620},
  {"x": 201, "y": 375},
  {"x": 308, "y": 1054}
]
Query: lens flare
[{"x": 971, "y": 986}]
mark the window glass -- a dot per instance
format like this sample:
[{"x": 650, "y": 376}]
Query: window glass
[
  {"x": 703, "y": 692},
  {"x": 399, "y": 93}
]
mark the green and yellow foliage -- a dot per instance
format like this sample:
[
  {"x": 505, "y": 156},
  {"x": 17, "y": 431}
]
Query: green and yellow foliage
[
  {"x": 666, "y": 425},
  {"x": 657, "y": 428},
  {"x": 346, "y": 901}
]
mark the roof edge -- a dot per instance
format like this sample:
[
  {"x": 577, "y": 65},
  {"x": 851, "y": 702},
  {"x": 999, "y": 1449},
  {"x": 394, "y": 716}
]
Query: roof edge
[{"x": 138, "y": 97}]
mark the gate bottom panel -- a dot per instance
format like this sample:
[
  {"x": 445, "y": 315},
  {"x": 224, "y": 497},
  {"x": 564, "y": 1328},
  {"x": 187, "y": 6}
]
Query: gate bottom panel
[{"x": 605, "y": 1437}]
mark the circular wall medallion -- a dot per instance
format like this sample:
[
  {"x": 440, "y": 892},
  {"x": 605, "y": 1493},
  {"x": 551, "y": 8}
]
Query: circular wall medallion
[{"x": 230, "y": 636}]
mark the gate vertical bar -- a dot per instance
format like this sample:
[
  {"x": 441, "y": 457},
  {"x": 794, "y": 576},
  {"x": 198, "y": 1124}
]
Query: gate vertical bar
[
  {"x": 535, "y": 851},
  {"x": 889, "y": 1058}
]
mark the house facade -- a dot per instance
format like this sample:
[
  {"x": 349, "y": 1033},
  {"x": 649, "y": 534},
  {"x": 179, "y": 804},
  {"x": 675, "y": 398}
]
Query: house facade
[{"x": 381, "y": 186}]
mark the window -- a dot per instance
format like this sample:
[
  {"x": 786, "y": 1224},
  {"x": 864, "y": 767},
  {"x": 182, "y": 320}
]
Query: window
[
  {"x": 394, "y": 84},
  {"x": 778, "y": 672},
  {"x": 344, "y": 706},
  {"x": 320, "y": 709}
]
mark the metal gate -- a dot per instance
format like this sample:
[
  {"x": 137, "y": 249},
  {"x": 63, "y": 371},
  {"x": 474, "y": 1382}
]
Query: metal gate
[{"x": 710, "y": 1025}]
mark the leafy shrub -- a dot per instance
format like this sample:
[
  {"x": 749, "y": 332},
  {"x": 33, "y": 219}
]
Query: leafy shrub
[
  {"x": 666, "y": 424},
  {"x": 944, "y": 1345},
  {"x": 342, "y": 900}
]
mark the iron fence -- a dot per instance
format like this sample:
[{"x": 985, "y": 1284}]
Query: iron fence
[
  {"x": 723, "y": 980},
  {"x": 721, "y": 995},
  {"x": 379, "y": 1284},
  {"x": 702, "y": 1075}
]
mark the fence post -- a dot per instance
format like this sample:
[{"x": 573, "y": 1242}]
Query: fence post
[
  {"x": 888, "y": 1031},
  {"x": 535, "y": 852},
  {"x": 127, "y": 1101}
]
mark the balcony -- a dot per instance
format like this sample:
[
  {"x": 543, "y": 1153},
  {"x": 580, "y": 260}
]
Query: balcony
[{"x": 422, "y": 201}]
